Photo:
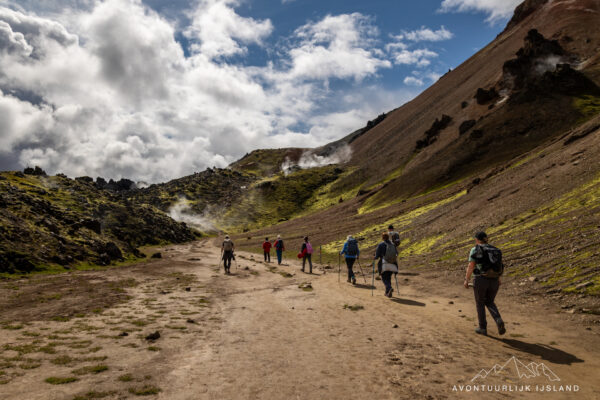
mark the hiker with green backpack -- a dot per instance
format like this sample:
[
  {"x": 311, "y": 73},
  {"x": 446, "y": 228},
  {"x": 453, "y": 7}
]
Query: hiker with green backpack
[
  {"x": 485, "y": 262},
  {"x": 387, "y": 253},
  {"x": 227, "y": 253},
  {"x": 351, "y": 253}
]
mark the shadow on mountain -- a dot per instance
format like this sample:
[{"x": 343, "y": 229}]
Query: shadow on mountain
[
  {"x": 548, "y": 353},
  {"x": 408, "y": 302}
]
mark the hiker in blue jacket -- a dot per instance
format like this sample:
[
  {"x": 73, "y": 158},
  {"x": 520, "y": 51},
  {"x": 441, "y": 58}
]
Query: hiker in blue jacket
[{"x": 351, "y": 253}]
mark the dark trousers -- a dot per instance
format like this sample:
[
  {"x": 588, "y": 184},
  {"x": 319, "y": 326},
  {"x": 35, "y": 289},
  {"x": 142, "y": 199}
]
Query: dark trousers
[
  {"x": 279, "y": 253},
  {"x": 227, "y": 256},
  {"x": 386, "y": 278},
  {"x": 268, "y": 256},
  {"x": 350, "y": 264},
  {"x": 309, "y": 258},
  {"x": 485, "y": 290}
]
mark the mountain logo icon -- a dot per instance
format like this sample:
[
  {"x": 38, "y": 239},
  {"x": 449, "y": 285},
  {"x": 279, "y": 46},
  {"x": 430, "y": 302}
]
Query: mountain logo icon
[{"x": 514, "y": 367}]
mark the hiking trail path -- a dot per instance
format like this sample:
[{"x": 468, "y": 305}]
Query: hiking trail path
[{"x": 257, "y": 335}]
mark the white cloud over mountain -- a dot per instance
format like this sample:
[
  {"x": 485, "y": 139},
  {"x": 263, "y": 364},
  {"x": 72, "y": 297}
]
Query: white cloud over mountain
[
  {"x": 495, "y": 9},
  {"x": 105, "y": 89}
]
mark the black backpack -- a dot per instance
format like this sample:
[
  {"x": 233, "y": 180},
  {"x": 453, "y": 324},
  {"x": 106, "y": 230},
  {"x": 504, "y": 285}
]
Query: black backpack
[
  {"x": 352, "y": 248},
  {"x": 490, "y": 259},
  {"x": 395, "y": 238}
]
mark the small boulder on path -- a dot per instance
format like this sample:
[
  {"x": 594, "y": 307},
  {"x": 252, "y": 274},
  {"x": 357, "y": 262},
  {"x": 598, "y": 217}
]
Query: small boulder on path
[{"x": 153, "y": 336}]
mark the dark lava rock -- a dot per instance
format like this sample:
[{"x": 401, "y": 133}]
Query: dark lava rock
[
  {"x": 37, "y": 171},
  {"x": 156, "y": 255},
  {"x": 433, "y": 132},
  {"x": 476, "y": 134},
  {"x": 484, "y": 96},
  {"x": 190, "y": 321},
  {"x": 84, "y": 179},
  {"x": 188, "y": 289},
  {"x": 123, "y": 334},
  {"x": 464, "y": 104},
  {"x": 153, "y": 336},
  {"x": 465, "y": 126}
]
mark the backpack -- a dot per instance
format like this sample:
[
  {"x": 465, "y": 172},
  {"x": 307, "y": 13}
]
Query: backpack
[
  {"x": 490, "y": 259},
  {"x": 352, "y": 249},
  {"x": 391, "y": 254},
  {"x": 309, "y": 249},
  {"x": 227, "y": 245},
  {"x": 395, "y": 238},
  {"x": 279, "y": 244}
]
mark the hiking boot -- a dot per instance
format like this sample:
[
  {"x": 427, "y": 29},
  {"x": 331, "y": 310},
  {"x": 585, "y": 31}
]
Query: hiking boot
[
  {"x": 501, "y": 328},
  {"x": 389, "y": 293},
  {"x": 354, "y": 280},
  {"x": 349, "y": 280},
  {"x": 481, "y": 331}
]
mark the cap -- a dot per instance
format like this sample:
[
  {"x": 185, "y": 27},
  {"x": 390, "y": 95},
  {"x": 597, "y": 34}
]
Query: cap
[
  {"x": 226, "y": 236},
  {"x": 391, "y": 227},
  {"x": 481, "y": 235}
]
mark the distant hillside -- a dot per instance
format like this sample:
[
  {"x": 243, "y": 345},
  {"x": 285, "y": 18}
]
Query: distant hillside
[{"x": 53, "y": 223}]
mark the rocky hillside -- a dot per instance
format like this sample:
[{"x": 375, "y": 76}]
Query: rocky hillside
[
  {"x": 508, "y": 142},
  {"x": 56, "y": 223}
]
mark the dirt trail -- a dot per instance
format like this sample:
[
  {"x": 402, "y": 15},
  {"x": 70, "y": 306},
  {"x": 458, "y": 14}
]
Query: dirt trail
[{"x": 257, "y": 335}]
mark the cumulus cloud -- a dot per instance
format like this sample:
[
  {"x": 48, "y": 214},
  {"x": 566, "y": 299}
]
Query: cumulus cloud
[
  {"x": 428, "y": 35},
  {"x": 336, "y": 47},
  {"x": 413, "y": 81},
  {"x": 105, "y": 89},
  {"x": 404, "y": 53},
  {"x": 217, "y": 30},
  {"x": 495, "y": 9}
]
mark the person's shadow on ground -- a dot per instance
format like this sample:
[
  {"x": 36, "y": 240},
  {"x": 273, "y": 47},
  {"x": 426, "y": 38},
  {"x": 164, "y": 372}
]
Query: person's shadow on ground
[
  {"x": 408, "y": 302},
  {"x": 548, "y": 353}
]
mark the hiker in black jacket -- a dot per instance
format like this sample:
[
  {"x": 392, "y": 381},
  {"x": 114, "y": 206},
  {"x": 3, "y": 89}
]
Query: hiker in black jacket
[
  {"x": 485, "y": 285},
  {"x": 388, "y": 262}
]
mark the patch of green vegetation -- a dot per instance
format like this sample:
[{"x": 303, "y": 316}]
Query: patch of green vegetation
[
  {"x": 145, "y": 390},
  {"x": 53, "y": 380},
  {"x": 270, "y": 201},
  {"x": 94, "y": 395},
  {"x": 126, "y": 378},
  {"x": 153, "y": 348},
  {"x": 12, "y": 327},
  {"x": 421, "y": 247},
  {"x": 587, "y": 105},
  {"x": 355, "y": 307},
  {"x": 306, "y": 286},
  {"x": 61, "y": 318}
]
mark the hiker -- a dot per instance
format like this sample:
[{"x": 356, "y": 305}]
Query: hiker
[
  {"x": 388, "y": 262},
  {"x": 485, "y": 262},
  {"x": 227, "y": 253},
  {"x": 267, "y": 249},
  {"x": 394, "y": 236},
  {"x": 351, "y": 253},
  {"x": 306, "y": 251},
  {"x": 279, "y": 248}
]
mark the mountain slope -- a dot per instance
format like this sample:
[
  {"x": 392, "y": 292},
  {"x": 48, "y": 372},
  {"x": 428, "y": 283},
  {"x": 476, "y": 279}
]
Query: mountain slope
[{"x": 507, "y": 142}]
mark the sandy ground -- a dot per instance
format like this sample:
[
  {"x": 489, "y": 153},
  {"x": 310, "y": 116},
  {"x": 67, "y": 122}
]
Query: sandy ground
[{"x": 257, "y": 335}]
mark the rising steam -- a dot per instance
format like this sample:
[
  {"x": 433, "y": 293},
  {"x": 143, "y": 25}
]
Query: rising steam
[
  {"x": 182, "y": 212},
  {"x": 311, "y": 160}
]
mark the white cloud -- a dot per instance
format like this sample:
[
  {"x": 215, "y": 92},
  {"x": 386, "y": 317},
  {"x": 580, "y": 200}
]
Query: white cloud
[
  {"x": 336, "y": 47},
  {"x": 428, "y": 35},
  {"x": 495, "y": 9},
  {"x": 222, "y": 32},
  {"x": 413, "y": 81},
  {"x": 110, "y": 92},
  {"x": 418, "y": 57}
]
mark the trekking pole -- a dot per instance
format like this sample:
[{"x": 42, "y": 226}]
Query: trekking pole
[
  {"x": 339, "y": 268},
  {"x": 373, "y": 279},
  {"x": 321, "y": 255},
  {"x": 397, "y": 289},
  {"x": 361, "y": 271}
]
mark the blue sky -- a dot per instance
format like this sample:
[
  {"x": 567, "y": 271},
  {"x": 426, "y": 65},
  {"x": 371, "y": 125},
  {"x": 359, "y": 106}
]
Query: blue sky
[{"x": 154, "y": 89}]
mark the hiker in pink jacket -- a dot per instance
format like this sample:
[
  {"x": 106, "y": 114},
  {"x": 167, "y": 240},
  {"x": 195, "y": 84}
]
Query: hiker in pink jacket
[{"x": 307, "y": 251}]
